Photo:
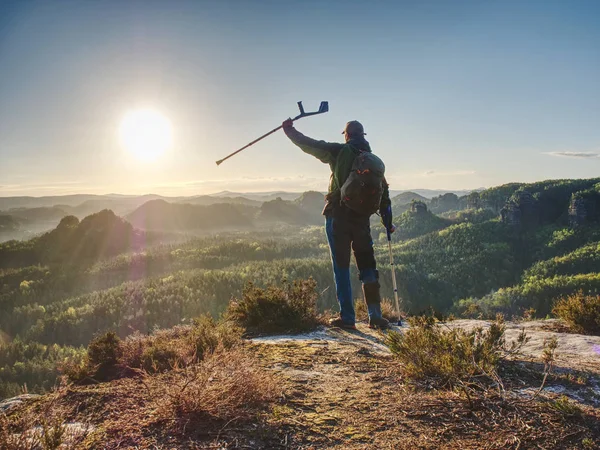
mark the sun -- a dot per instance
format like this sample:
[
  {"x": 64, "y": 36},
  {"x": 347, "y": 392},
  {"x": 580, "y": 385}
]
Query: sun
[{"x": 146, "y": 134}]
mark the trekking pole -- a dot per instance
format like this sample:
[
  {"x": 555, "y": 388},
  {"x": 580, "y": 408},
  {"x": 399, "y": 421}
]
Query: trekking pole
[
  {"x": 389, "y": 236},
  {"x": 323, "y": 108}
]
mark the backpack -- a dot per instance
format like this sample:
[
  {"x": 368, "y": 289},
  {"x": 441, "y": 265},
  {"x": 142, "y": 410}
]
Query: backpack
[{"x": 362, "y": 190}]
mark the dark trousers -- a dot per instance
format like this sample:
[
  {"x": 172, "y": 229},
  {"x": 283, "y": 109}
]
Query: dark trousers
[{"x": 347, "y": 233}]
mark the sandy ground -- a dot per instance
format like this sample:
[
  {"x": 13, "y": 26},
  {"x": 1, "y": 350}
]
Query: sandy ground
[
  {"x": 574, "y": 351},
  {"x": 576, "y": 354}
]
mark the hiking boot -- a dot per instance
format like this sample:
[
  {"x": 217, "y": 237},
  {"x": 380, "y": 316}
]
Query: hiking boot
[
  {"x": 341, "y": 324},
  {"x": 373, "y": 300},
  {"x": 379, "y": 323}
]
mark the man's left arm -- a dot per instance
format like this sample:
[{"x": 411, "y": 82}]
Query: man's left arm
[{"x": 385, "y": 208}]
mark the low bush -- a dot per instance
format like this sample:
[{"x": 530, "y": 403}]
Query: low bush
[
  {"x": 159, "y": 351},
  {"x": 103, "y": 354},
  {"x": 207, "y": 335},
  {"x": 450, "y": 357},
  {"x": 276, "y": 309},
  {"x": 100, "y": 362},
  {"x": 109, "y": 357},
  {"x": 580, "y": 311}
]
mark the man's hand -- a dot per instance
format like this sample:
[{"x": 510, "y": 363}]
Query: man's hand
[
  {"x": 386, "y": 218},
  {"x": 287, "y": 124}
]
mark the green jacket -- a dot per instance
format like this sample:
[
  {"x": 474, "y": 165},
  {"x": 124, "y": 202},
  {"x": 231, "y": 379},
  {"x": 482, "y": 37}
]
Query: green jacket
[{"x": 340, "y": 158}]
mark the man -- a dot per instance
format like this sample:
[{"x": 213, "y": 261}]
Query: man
[{"x": 345, "y": 228}]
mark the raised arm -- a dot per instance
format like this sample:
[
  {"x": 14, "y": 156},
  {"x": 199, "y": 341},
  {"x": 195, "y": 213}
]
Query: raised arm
[{"x": 325, "y": 152}]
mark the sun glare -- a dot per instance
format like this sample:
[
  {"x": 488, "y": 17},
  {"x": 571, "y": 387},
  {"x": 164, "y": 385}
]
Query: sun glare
[{"x": 146, "y": 134}]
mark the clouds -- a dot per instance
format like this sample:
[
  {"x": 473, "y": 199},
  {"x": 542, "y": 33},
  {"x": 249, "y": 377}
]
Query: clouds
[
  {"x": 298, "y": 183},
  {"x": 49, "y": 188},
  {"x": 586, "y": 155},
  {"x": 244, "y": 184}
]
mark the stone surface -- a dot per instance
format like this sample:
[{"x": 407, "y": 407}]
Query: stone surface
[{"x": 8, "y": 404}]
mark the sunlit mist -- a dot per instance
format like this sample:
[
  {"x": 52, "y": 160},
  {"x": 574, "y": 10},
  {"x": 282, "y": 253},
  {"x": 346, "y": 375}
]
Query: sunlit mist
[{"x": 146, "y": 134}]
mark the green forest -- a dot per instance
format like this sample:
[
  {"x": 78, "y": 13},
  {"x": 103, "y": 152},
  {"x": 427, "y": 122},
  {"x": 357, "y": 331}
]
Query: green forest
[{"x": 511, "y": 249}]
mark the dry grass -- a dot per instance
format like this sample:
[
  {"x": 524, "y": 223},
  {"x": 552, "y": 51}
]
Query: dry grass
[
  {"x": 227, "y": 385},
  {"x": 109, "y": 357},
  {"x": 48, "y": 430},
  {"x": 178, "y": 346},
  {"x": 193, "y": 403},
  {"x": 336, "y": 394}
]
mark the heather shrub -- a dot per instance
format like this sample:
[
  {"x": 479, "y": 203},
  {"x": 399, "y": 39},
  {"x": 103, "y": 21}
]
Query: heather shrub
[
  {"x": 449, "y": 357},
  {"x": 580, "y": 311},
  {"x": 160, "y": 356},
  {"x": 158, "y": 351},
  {"x": 207, "y": 335},
  {"x": 103, "y": 355},
  {"x": 276, "y": 309},
  {"x": 101, "y": 361},
  {"x": 109, "y": 357}
]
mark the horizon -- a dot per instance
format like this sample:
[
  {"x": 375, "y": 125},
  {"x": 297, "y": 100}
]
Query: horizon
[
  {"x": 145, "y": 96},
  {"x": 225, "y": 192}
]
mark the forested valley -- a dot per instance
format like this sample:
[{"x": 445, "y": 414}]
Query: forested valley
[{"x": 513, "y": 249}]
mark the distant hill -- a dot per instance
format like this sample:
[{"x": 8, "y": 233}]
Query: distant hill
[
  {"x": 120, "y": 205},
  {"x": 551, "y": 197},
  {"x": 401, "y": 202},
  {"x": 285, "y": 211},
  {"x": 430, "y": 193},
  {"x": 407, "y": 197},
  {"x": 211, "y": 200},
  {"x": 7, "y": 203},
  {"x": 259, "y": 196},
  {"x": 413, "y": 224},
  {"x": 8, "y": 223},
  {"x": 163, "y": 216},
  {"x": 312, "y": 202},
  {"x": 446, "y": 202},
  {"x": 12, "y": 228},
  {"x": 97, "y": 236},
  {"x": 44, "y": 213},
  {"x": 83, "y": 203}
]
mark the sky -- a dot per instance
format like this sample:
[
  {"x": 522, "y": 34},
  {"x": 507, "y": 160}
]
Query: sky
[{"x": 452, "y": 94}]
